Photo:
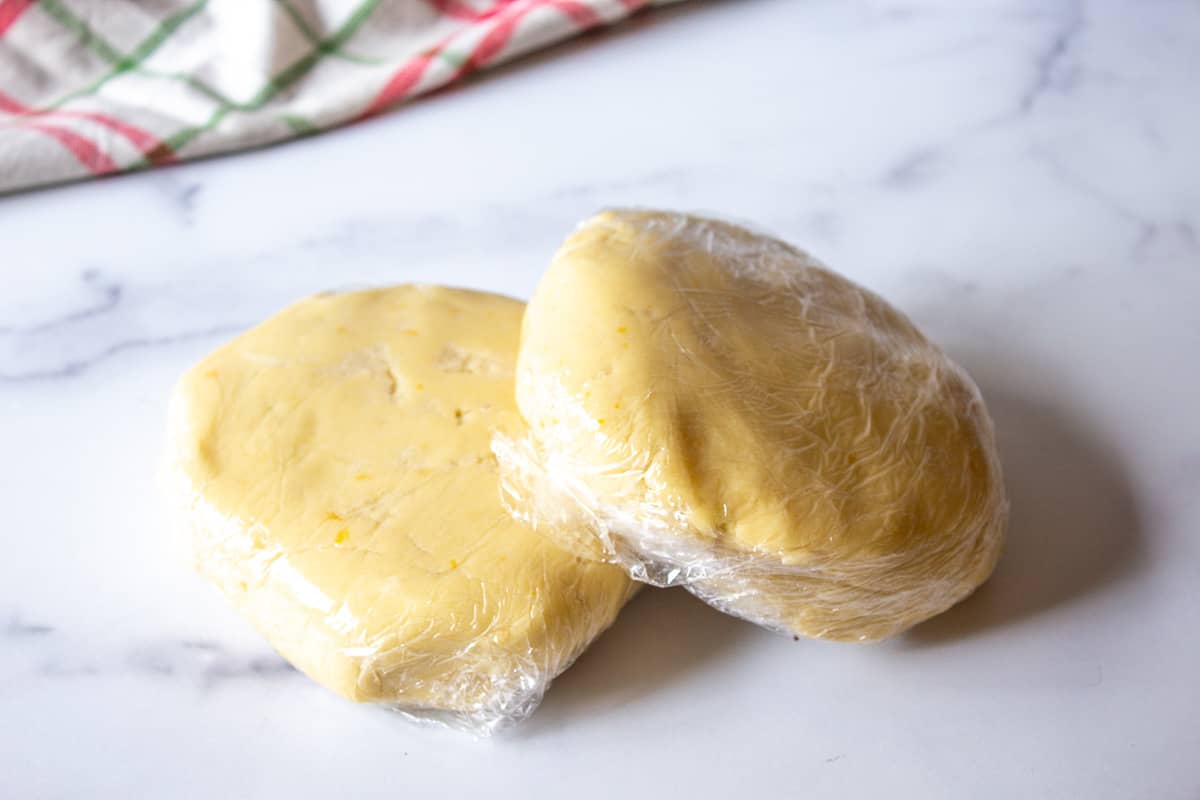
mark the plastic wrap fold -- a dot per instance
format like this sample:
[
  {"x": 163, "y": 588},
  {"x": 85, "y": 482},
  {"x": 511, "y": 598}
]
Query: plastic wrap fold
[
  {"x": 333, "y": 468},
  {"x": 710, "y": 407}
]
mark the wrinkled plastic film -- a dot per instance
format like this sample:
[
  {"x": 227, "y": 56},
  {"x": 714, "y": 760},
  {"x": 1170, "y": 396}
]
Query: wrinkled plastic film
[
  {"x": 270, "y": 598},
  {"x": 786, "y": 446},
  {"x": 354, "y": 520}
]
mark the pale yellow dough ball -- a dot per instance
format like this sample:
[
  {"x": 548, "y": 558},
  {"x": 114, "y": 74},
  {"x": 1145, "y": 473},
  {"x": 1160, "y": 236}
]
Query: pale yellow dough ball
[
  {"x": 710, "y": 407},
  {"x": 335, "y": 469}
]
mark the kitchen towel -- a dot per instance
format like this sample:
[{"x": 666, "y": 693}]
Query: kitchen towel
[{"x": 90, "y": 87}]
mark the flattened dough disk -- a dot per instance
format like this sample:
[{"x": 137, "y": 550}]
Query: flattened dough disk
[
  {"x": 335, "y": 466},
  {"x": 711, "y": 408}
]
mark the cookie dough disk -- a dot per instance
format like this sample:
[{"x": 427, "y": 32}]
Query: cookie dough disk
[
  {"x": 722, "y": 412},
  {"x": 335, "y": 466}
]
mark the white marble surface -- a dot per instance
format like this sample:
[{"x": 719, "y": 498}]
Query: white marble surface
[{"x": 1022, "y": 176}]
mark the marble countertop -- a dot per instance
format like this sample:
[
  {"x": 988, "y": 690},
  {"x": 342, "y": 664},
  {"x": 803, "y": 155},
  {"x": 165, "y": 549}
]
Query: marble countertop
[{"x": 1021, "y": 176}]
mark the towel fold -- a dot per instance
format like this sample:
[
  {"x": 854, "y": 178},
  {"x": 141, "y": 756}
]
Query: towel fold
[{"x": 89, "y": 87}]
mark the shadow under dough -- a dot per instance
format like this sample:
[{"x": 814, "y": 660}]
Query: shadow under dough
[
  {"x": 1074, "y": 521},
  {"x": 660, "y": 636}
]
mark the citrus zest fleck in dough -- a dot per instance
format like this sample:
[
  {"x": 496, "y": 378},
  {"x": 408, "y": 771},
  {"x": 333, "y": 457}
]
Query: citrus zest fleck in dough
[
  {"x": 781, "y": 441},
  {"x": 306, "y": 425}
]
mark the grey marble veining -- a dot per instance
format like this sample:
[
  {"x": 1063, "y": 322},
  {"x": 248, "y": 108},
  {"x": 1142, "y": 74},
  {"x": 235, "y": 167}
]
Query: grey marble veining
[{"x": 1020, "y": 176}]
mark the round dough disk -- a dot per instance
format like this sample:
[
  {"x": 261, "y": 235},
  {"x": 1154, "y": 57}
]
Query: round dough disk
[
  {"x": 337, "y": 476},
  {"x": 719, "y": 411}
]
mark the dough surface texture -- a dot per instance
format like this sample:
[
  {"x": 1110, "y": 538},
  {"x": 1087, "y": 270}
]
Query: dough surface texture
[
  {"x": 334, "y": 468},
  {"x": 710, "y": 407}
]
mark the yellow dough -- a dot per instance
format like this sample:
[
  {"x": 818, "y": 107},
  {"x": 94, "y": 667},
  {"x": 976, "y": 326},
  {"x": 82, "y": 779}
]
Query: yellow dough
[
  {"x": 709, "y": 407},
  {"x": 335, "y": 466}
]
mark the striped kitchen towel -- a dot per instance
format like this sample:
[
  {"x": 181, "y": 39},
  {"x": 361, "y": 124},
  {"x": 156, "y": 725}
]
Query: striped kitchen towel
[{"x": 89, "y": 87}]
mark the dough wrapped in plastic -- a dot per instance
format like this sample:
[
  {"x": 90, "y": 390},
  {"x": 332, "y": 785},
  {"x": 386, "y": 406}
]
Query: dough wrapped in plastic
[
  {"x": 710, "y": 407},
  {"x": 334, "y": 467}
]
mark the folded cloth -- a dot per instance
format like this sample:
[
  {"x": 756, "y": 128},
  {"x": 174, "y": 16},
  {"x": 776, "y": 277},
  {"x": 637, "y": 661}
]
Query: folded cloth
[{"x": 89, "y": 87}]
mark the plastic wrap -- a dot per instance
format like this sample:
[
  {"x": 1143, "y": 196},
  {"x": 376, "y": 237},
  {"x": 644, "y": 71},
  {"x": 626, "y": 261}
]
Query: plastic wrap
[
  {"x": 709, "y": 407},
  {"x": 334, "y": 470}
]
